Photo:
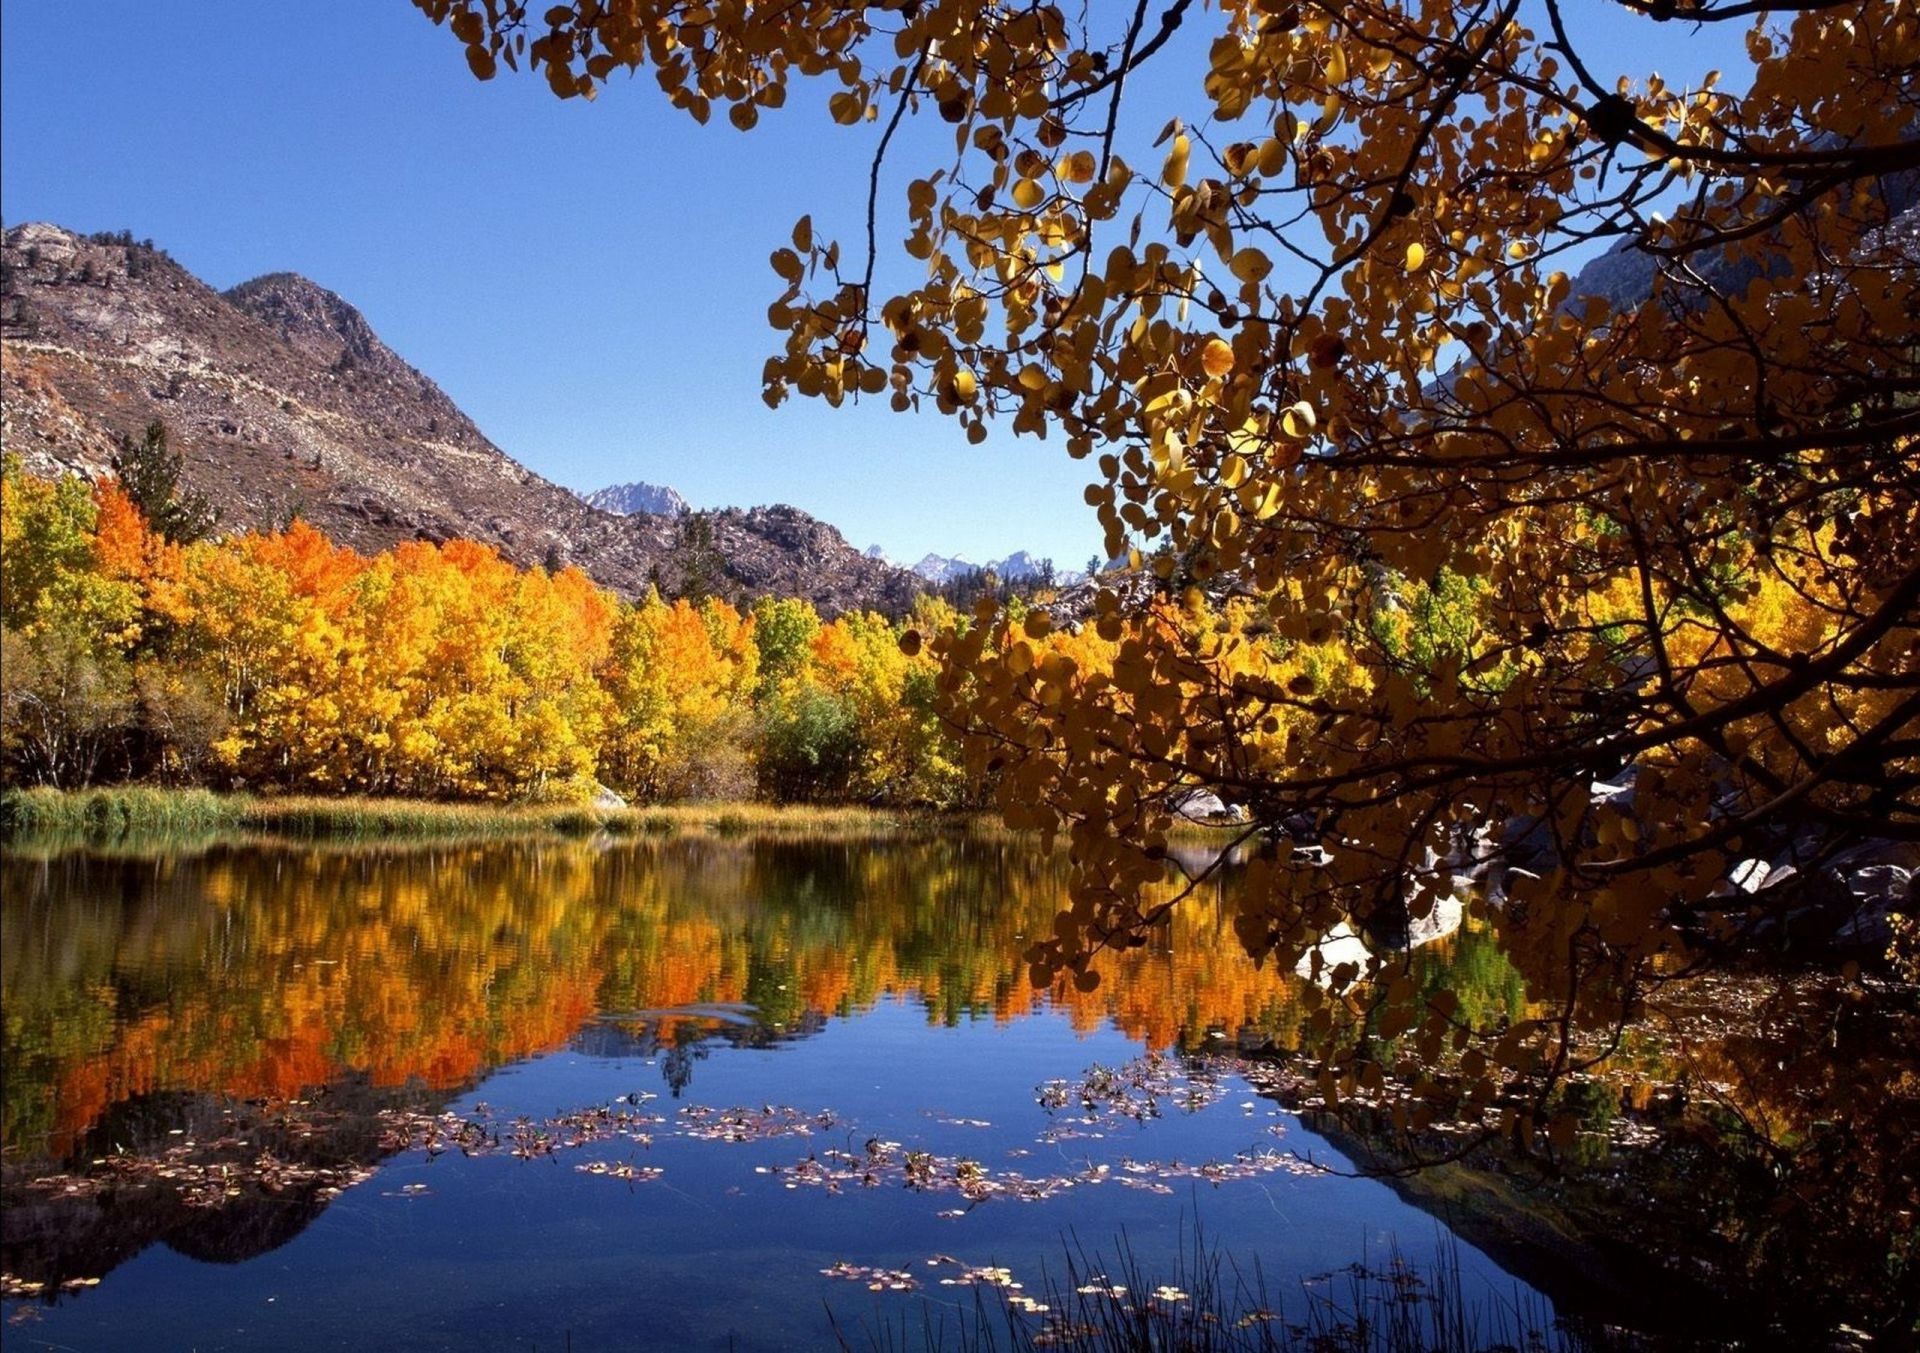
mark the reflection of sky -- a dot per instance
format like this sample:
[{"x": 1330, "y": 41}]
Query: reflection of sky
[{"x": 504, "y": 1253}]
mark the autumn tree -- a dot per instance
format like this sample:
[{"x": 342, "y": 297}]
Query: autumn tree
[
  {"x": 65, "y": 682},
  {"x": 1324, "y": 339},
  {"x": 680, "y": 679}
]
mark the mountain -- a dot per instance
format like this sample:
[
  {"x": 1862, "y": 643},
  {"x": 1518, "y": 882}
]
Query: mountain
[
  {"x": 624, "y": 500},
  {"x": 941, "y": 568},
  {"x": 1020, "y": 564},
  {"x": 283, "y": 401}
]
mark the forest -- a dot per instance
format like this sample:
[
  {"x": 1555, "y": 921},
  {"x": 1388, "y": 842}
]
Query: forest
[
  {"x": 281, "y": 661},
  {"x": 142, "y": 647}
]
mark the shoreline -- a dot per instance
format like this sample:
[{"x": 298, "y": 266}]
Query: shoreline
[
  {"x": 112, "y": 814},
  {"x": 107, "y": 815}
]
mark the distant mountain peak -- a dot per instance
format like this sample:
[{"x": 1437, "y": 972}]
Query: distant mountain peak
[
  {"x": 941, "y": 568},
  {"x": 944, "y": 568},
  {"x": 626, "y": 499}
]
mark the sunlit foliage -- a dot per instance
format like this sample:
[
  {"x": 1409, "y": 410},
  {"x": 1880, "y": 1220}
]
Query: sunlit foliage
[
  {"x": 1321, "y": 339},
  {"x": 284, "y": 661}
]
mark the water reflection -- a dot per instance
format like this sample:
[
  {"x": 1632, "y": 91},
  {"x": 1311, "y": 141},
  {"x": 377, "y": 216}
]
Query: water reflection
[
  {"x": 205, "y": 1049},
  {"x": 256, "y": 972}
]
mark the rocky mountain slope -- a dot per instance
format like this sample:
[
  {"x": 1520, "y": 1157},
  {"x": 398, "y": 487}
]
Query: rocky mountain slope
[
  {"x": 283, "y": 401},
  {"x": 935, "y": 568}
]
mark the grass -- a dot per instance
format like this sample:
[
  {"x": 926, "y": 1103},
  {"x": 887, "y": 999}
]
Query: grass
[
  {"x": 107, "y": 815},
  {"x": 116, "y": 812},
  {"x": 1208, "y": 1304},
  {"x": 57, "y": 818}
]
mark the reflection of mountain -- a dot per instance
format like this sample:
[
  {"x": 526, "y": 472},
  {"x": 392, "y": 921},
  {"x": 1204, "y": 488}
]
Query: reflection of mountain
[
  {"x": 165, "y": 1147},
  {"x": 679, "y": 1040},
  {"x": 254, "y": 972},
  {"x": 167, "y": 1143},
  {"x": 257, "y": 972},
  {"x": 207, "y": 1012}
]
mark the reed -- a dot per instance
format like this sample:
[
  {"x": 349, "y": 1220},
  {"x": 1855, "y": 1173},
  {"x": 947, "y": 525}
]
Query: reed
[
  {"x": 1208, "y": 1303},
  {"x": 117, "y": 811}
]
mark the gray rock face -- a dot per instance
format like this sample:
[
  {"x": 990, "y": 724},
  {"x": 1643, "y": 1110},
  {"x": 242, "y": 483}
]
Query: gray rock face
[{"x": 1203, "y": 805}]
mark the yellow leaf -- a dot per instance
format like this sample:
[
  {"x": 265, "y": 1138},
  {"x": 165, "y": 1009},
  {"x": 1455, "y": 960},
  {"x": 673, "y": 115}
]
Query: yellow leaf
[
  {"x": 1250, "y": 265},
  {"x": 1174, "y": 173}
]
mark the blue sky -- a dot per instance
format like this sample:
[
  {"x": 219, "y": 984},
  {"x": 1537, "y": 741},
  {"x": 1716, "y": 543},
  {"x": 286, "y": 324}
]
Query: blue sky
[{"x": 587, "y": 280}]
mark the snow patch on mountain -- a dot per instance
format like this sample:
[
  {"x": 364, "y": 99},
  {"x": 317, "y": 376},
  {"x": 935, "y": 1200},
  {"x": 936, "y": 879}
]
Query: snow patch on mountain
[{"x": 626, "y": 499}]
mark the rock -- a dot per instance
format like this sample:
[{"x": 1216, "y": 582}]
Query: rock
[
  {"x": 1203, "y": 805},
  {"x": 1446, "y": 916},
  {"x": 1874, "y": 893},
  {"x": 1844, "y": 903},
  {"x": 1340, "y": 945}
]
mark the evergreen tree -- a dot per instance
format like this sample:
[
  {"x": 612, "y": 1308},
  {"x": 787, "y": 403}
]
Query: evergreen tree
[{"x": 150, "y": 473}]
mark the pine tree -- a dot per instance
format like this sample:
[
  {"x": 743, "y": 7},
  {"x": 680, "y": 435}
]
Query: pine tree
[{"x": 150, "y": 473}]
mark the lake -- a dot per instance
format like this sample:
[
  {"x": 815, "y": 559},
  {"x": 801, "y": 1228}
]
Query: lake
[{"x": 685, "y": 1093}]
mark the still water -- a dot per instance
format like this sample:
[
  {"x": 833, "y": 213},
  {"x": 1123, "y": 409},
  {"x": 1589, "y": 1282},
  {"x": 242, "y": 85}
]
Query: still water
[{"x": 642, "y": 1094}]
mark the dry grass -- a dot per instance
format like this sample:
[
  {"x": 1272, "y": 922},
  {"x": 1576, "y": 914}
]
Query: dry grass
[
  {"x": 124, "y": 812},
  {"x": 48, "y": 817}
]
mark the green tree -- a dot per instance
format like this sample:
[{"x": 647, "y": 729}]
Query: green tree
[
  {"x": 783, "y": 627},
  {"x": 149, "y": 471},
  {"x": 811, "y": 744},
  {"x": 698, "y": 564}
]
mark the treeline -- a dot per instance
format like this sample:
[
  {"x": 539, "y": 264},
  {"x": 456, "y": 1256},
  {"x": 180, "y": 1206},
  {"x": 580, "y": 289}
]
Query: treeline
[{"x": 135, "y": 648}]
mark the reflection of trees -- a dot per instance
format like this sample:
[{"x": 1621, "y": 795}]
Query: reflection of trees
[
  {"x": 143, "y": 995},
  {"x": 256, "y": 972}
]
